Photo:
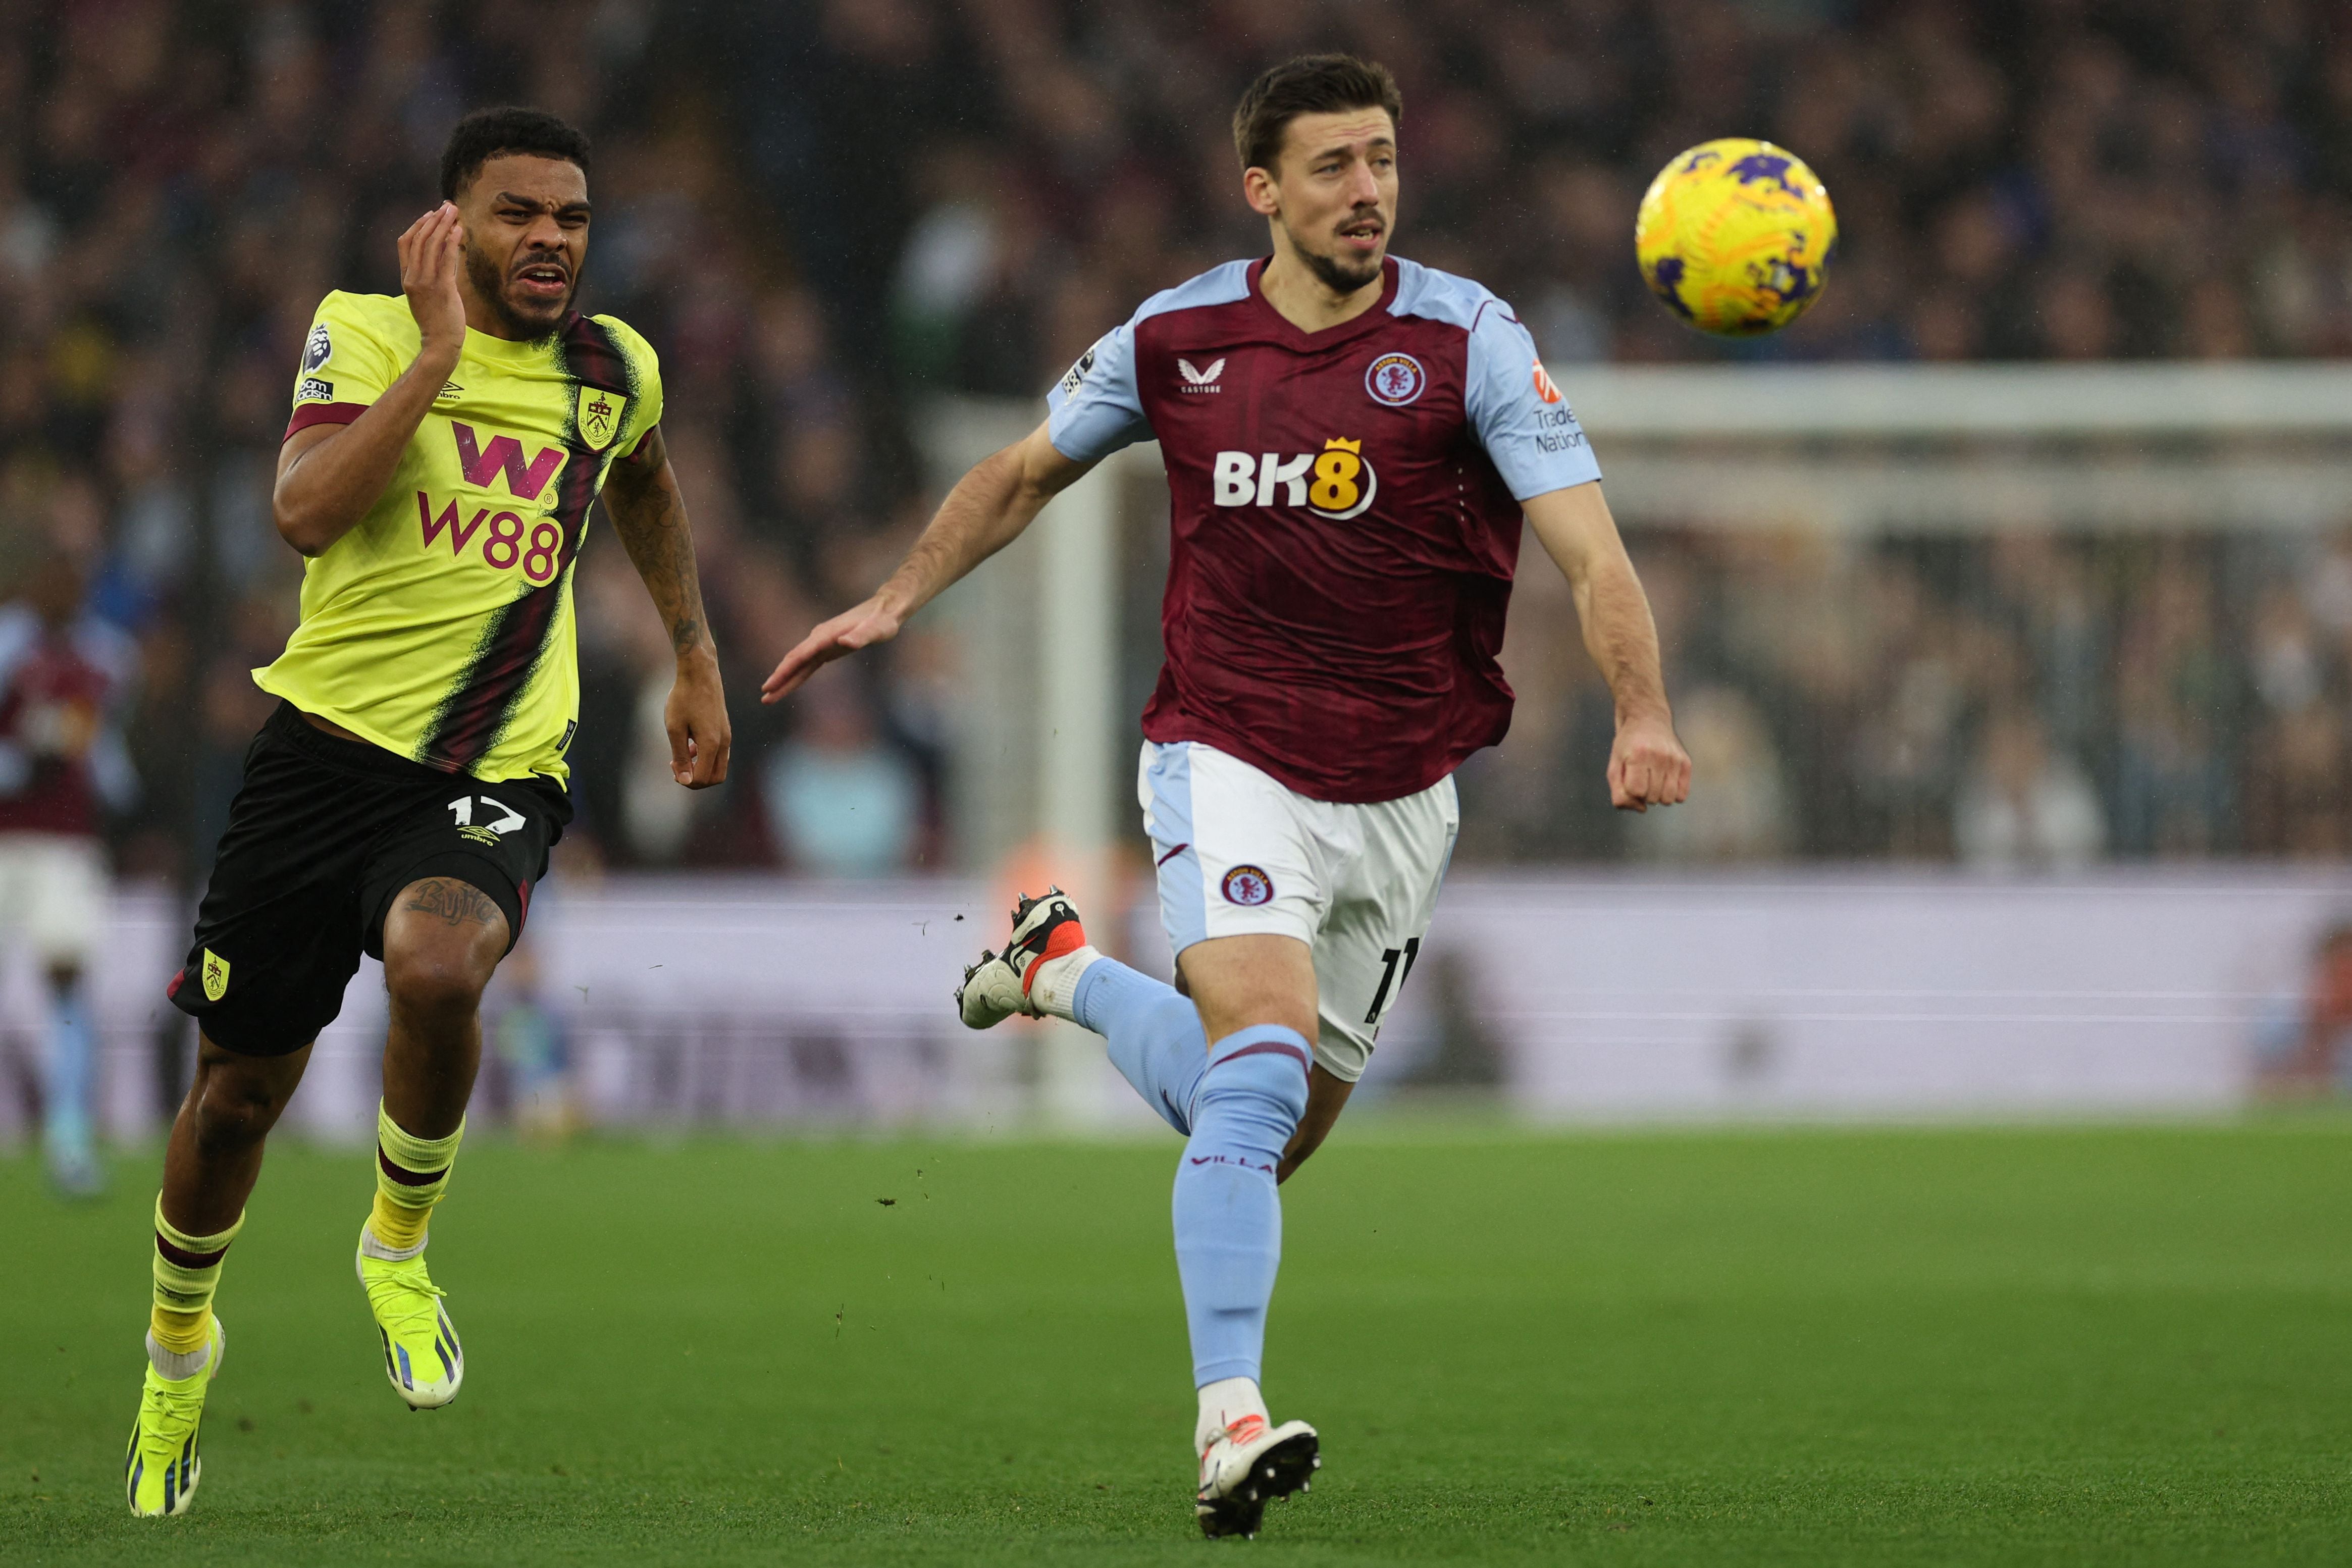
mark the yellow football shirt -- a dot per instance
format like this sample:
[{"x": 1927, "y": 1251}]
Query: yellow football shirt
[{"x": 441, "y": 626}]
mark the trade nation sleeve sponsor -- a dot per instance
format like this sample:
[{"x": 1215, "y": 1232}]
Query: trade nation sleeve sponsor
[
  {"x": 441, "y": 628},
  {"x": 1529, "y": 432}
]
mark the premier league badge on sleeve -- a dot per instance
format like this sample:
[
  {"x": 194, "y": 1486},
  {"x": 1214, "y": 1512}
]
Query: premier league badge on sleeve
[
  {"x": 598, "y": 418},
  {"x": 1395, "y": 380},
  {"x": 319, "y": 350}
]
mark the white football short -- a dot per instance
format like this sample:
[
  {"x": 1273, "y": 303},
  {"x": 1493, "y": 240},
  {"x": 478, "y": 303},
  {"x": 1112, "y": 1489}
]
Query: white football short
[
  {"x": 1240, "y": 853},
  {"x": 52, "y": 894}
]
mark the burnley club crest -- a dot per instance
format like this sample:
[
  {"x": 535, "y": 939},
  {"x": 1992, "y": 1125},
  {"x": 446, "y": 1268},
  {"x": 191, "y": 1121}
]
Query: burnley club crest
[{"x": 598, "y": 417}]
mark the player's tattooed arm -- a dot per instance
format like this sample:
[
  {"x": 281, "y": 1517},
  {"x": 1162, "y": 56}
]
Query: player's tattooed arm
[
  {"x": 987, "y": 509},
  {"x": 649, "y": 514},
  {"x": 453, "y": 903},
  {"x": 329, "y": 474},
  {"x": 1647, "y": 764},
  {"x": 641, "y": 497}
]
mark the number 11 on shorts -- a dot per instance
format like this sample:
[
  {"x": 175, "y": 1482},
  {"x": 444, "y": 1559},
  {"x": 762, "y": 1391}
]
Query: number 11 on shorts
[{"x": 1390, "y": 977}]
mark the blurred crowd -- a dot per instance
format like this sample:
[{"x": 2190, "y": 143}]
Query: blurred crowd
[
  {"x": 2023, "y": 703},
  {"x": 823, "y": 213},
  {"x": 2015, "y": 179},
  {"x": 179, "y": 184}
]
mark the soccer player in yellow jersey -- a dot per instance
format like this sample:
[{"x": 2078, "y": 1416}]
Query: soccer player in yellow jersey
[{"x": 437, "y": 474}]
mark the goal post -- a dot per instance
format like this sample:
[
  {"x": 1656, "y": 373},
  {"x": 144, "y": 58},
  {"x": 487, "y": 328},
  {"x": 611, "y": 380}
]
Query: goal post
[{"x": 1973, "y": 448}]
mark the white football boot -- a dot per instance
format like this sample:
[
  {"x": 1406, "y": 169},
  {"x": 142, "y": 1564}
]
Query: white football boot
[
  {"x": 1246, "y": 1466},
  {"x": 1036, "y": 975}
]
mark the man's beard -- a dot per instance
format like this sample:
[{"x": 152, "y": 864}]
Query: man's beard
[
  {"x": 491, "y": 284},
  {"x": 1336, "y": 275}
]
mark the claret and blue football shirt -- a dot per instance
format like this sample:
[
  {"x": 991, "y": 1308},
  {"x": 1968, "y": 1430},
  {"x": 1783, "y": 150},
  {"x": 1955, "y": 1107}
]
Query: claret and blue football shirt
[{"x": 1345, "y": 514}]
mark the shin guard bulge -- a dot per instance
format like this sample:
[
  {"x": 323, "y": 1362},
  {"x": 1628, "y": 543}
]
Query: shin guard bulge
[
  {"x": 410, "y": 1175},
  {"x": 1228, "y": 1216},
  {"x": 187, "y": 1272}
]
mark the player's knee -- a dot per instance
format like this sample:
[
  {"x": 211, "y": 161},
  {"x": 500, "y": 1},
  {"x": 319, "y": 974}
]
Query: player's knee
[
  {"x": 1260, "y": 1089},
  {"x": 437, "y": 980},
  {"x": 236, "y": 1108}
]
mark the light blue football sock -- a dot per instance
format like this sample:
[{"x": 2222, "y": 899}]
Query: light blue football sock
[
  {"x": 1155, "y": 1035},
  {"x": 1228, "y": 1216},
  {"x": 66, "y": 1119}
]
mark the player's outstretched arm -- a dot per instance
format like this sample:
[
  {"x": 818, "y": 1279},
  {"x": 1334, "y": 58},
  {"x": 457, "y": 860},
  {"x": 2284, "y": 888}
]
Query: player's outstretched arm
[
  {"x": 641, "y": 497},
  {"x": 1647, "y": 766},
  {"x": 329, "y": 474},
  {"x": 987, "y": 509}
]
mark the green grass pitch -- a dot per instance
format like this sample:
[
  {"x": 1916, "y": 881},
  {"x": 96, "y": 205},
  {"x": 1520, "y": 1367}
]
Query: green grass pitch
[{"x": 2121, "y": 1346}]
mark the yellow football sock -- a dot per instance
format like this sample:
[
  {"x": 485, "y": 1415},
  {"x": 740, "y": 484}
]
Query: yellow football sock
[
  {"x": 180, "y": 1332},
  {"x": 397, "y": 1226},
  {"x": 411, "y": 1174},
  {"x": 187, "y": 1271}
]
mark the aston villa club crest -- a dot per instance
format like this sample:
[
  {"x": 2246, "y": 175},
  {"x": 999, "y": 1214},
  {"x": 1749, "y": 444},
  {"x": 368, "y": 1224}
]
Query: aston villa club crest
[
  {"x": 1247, "y": 886},
  {"x": 1395, "y": 380},
  {"x": 598, "y": 418}
]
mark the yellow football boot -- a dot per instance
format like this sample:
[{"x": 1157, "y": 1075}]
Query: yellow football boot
[
  {"x": 162, "y": 1465},
  {"x": 421, "y": 1353}
]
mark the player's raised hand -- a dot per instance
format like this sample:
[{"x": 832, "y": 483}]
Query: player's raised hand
[
  {"x": 431, "y": 254},
  {"x": 1647, "y": 765},
  {"x": 870, "y": 623}
]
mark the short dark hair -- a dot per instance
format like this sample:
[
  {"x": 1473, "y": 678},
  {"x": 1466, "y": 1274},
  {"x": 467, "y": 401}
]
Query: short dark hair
[
  {"x": 1308, "y": 84},
  {"x": 488, "y": 133}
]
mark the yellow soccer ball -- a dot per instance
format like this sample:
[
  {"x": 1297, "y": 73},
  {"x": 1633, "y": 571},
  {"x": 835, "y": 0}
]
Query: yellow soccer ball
[{"x": 1736, "y": 237}]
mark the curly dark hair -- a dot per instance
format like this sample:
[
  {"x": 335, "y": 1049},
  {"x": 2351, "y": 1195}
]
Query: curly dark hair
[{"x": 488, "y": 133}]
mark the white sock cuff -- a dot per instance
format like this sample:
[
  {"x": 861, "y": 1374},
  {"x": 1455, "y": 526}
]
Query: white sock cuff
[
  {"x": 370, "y": 1247},
  {"x": 1055, "y": 989},
  {"x": 174, "y": 1365}
]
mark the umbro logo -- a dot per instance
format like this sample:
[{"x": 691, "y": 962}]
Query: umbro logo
[{"x": 1197, "y": 380}]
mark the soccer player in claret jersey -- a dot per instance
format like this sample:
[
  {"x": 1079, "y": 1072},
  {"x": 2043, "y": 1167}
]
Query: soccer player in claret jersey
[
  {"x": 1352, "y": 443},
  {"x": 438, "y": 472},
  {"x": 65, "y": 680}
]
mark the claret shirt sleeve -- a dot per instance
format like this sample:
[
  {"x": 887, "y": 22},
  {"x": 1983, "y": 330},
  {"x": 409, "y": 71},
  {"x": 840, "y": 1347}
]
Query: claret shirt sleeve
[
  {"x": 646, "y": 409},
  {"x": 1526, "y": 426},
  {"x": 1095, "y": 409},
  {"x": 345, "y": 366}
]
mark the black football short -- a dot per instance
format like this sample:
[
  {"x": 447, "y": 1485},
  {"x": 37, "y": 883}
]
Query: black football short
[{"x": 323, "y": 833}]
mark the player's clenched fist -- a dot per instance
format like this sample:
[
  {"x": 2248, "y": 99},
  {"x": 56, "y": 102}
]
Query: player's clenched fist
[
  {"x": 431, "y": 252},
  {"x": 1647, "y": 766}
]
